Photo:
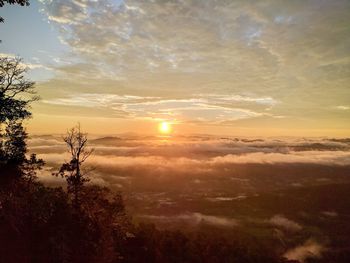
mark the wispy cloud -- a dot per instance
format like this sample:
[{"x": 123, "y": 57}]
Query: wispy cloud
[
  {"x": 276, "y": 53},
  {"x": 324, "y": 157},
  {"x": 281, "y": 221},
  {"x": 194, "y": 219},
  {"x": 342, "y": 107},
  {"x": 310, "y": 249},
  {"x": 28, "y": 65},
  {"x": 210, "y": 108},
  {"x": 96, "y": 100}
]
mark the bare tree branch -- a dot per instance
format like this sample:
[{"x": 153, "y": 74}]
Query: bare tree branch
[
  {"x": 16, "y": 92},
  {"x": 76, "y": 142}
]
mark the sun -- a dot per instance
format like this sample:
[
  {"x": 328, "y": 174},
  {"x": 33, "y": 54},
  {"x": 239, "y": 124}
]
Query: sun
[{"x": 164, "y": 127}]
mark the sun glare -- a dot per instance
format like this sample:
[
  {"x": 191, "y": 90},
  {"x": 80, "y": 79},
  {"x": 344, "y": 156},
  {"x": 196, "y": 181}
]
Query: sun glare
[{"x": 164, "y": 127}]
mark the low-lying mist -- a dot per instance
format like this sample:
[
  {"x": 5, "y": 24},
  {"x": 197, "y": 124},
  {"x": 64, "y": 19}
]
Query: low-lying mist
[{"x": 291, "y": 191}]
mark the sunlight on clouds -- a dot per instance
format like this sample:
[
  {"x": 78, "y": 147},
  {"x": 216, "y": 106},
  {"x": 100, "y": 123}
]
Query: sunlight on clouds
[
  {"x": 96, "y": 100},
  {"x": 310, "y": 249},
  {"x": 193, "y": 162},
  {"x": 195, "y": 219},
  {"x": 215, "y": 109},
  {"x": 261, "y": 56},
  {"x": 342, "y": 107}
]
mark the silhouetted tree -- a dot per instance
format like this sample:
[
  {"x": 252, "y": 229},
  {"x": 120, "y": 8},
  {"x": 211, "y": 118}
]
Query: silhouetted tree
[
  {"x": 15, "y": 146},
  {"x": 106, "y": 213},
  {"x": 76, "y": 142},
  {"x": 13, "y": 2},
  {"x": 13, "y": 150},
  {"x": 16, "y": 92},
  {"x": 2, "y": 152},
  {"x": 31, "y": 166}
]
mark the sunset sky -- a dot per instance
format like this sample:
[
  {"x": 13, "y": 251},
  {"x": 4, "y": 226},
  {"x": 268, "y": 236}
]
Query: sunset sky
[{"x": 255, "y": 68}]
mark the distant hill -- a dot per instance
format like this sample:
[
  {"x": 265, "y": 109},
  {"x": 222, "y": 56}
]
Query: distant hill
[{"x": 105, "y": 140}]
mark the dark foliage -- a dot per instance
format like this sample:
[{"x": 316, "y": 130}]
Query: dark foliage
[
  {"x": 14, "y": 144},
  {"x": 13, "y": 153},
  {"x": 206, "y": 245},
  {"x": 39, "y": 224},
  {"x": 16, "y": 92},
  {"x": 13, "y": 2}
]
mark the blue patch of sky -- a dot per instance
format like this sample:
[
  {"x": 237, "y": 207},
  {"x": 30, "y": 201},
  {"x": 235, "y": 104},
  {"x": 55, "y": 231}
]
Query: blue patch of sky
[{"x": 27, "y": 33}]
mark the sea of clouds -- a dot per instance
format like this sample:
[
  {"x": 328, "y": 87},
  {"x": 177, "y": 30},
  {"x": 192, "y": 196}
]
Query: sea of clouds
[
  {"x": 118, "y": 161},
  {"x": 194, "y": 180}
]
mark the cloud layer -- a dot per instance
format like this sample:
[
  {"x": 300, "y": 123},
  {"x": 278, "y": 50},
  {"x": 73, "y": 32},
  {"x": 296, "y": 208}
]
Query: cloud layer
[
  {"x": 310, "y": 249},
  {"x": 204, "y": 61},
  {"x": 136, "y": 161},
  {"x": 193, "y": 219}
]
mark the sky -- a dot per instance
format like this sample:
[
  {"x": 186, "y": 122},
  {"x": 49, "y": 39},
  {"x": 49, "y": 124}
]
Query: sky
[{"x": 252, "y": 68}]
